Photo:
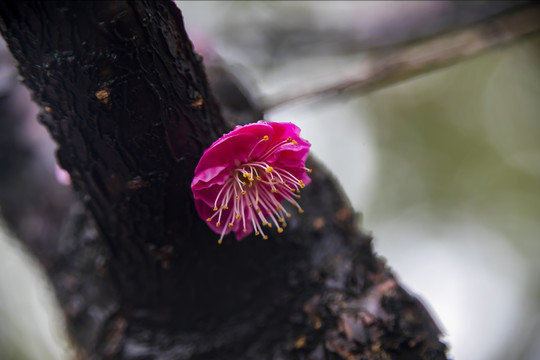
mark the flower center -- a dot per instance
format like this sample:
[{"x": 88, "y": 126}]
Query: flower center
[{"x": 254, "y": 192}]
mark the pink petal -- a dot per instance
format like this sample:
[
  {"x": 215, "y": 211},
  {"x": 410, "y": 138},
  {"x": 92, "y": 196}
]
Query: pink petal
[
  {"x": 209, "y": 176},
  {"x": 228, "y": 151}
]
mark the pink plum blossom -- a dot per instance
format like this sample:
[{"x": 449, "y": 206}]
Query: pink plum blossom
[{"x": 244, "y": 177}]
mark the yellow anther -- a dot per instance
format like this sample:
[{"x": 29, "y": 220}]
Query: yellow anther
[
  {"x": 265, "y": 237},
  {"x": 295, "y": 142},
  {"x": 220, "y": 241},
  {"x": 289, "y": 139},
  {"x": 237, "y": 197},
  {"x": 269, "y": 225},
  {"x": 309, "y": 171},
  {"x": 264, "y": 223},
  {"x": 281, "y": 220},
  {"x": 224, "y": 208},
  {"x": 284, "y": 225},
  {"x": 230, "y": 224},
  {"x": 278, "y": 208},
  {"x": 218, "y": 224},
  {"x": 209, "y": 219},
  {"x": 301, "y": 183},
  {"x": 245, "y": 230},
  {"x": 215, "y": 208},
  {"x": 258, "y": 210},
  {"x": 275, "y": 191},
  {"x": 250, "y": 205},
  {"x": 245, "y": 174},
  {"x": 243, "y": 192},
  {"x": 265, "y": 137},
  {"x": 288, "y": 215},
  {"x": 269, "y": 169},
  {"x": 244, "y": 183},
  {"x": 258, "y": 177},
  {"x": 238, "y": 217},
  {"x": 300, "y": 211},
  {"x": 257, "y": 233},
  {"x": 297, "y": 196},
  {"x": 279, "y": 230}
]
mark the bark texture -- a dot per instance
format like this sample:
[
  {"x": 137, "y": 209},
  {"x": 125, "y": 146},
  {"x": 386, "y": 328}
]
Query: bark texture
[{"x": 138, "y": 274}]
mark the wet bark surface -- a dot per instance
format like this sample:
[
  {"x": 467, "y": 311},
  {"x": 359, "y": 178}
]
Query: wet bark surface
[{"x": 138, "y": 274}]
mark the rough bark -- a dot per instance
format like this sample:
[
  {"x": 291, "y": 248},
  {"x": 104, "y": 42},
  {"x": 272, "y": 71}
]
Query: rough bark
[{"x": 137, "y": 272}]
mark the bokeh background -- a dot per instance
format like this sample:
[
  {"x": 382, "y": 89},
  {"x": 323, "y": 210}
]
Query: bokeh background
[{"x": 444, "y": 168}]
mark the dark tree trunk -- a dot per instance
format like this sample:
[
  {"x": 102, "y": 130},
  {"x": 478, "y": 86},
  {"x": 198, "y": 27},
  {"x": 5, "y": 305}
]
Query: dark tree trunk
[{"x": 138, "y": 274}]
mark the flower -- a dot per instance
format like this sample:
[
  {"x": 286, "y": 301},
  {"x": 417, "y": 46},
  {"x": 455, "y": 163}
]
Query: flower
[{"x": 243, "y": 178}]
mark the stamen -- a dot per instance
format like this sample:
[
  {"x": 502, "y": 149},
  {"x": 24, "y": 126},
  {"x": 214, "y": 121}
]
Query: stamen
[{"x": 265, "y": 138}]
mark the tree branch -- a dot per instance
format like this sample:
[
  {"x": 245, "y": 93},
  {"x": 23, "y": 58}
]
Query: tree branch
[
  {"x": 393, "y": 66},
  {"x": 127, "y": 101}
]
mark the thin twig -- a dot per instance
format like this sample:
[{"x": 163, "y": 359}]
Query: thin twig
[{"x": 385, "y": 69}]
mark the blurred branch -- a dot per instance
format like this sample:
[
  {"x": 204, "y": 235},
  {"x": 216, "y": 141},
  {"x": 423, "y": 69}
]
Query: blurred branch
[
  {"x": 387, "y": 68},
  {"x": 33, "y": 202}
]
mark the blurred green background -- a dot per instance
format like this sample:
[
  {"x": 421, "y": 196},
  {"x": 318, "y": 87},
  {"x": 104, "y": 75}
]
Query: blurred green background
[{"x": 445, "y": 168}]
